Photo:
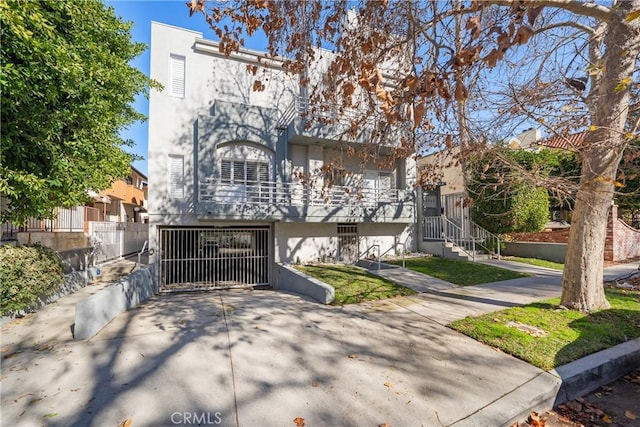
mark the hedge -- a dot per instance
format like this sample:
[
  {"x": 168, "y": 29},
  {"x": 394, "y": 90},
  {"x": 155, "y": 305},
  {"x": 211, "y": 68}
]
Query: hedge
[{"x": 26, "y": 274}]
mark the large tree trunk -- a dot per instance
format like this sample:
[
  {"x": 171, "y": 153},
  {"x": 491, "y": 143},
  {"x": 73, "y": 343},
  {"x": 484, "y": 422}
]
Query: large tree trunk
[{"x": 582, "y": 282}]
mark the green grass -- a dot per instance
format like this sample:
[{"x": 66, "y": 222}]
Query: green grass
[
  {"x": 537, "y": 262},
  {"x": 572, "y": 334},
  {"x": 459, "y": 272},
  {"x": 353, "y": 284}
]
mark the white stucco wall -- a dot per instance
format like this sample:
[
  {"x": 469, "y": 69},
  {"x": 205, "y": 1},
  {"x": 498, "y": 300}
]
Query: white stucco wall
[
  {"x": 315, "y": 242},
  {"x": 176, "y": 128},
  {"x": 445, "y": 163}
]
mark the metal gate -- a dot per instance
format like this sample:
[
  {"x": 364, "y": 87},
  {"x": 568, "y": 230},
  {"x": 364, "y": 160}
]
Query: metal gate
[
  {"x": 214, "y": 258},
  {"x": 348, "y": 243}
]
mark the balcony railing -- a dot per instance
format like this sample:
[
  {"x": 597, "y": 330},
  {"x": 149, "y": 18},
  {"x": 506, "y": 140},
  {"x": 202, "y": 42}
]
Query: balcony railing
[{"x": 294, "y": 194}]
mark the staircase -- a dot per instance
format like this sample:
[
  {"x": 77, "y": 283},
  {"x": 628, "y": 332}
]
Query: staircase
[
  {"x": 113, "y": 271},
  {"x": 465, "y": 241}
]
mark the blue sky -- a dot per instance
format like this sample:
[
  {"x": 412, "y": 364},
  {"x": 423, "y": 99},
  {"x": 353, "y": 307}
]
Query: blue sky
[{"x": 141, "y": 13}]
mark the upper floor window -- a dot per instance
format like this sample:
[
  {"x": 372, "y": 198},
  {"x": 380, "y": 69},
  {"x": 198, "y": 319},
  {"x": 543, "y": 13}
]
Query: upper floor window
[
  {"x": 177, "y": 75},
  {"x": 243, "y": 172}
]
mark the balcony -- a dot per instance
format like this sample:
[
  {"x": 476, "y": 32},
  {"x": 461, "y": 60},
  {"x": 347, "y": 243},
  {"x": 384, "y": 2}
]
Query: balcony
[
  {"x": 294, "y": 202},
  {"x": 306, "y": 123}
]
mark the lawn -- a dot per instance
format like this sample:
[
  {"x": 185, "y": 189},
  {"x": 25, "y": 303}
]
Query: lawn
[
  {"x": 571, "y": 334},
  {"x": 537, "y": 262},
  {"x": 459, "y": 272},
  {"x": 353, "y": 284}
]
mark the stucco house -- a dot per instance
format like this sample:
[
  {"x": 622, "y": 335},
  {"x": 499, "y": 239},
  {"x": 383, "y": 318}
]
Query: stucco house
[
  {"x": 124, "y": 201},
  {"x": 237, "y": 177}
]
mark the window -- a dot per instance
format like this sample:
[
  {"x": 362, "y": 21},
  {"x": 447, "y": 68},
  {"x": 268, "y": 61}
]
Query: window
[
  {"x": 176, "y": 177},
  {"x": 243, "y": 172},
  {"x": 177, "y": 75}
]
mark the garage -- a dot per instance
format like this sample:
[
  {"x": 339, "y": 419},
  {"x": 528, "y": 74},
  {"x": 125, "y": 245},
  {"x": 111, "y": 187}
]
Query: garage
[{"x": 201, "y": 258}]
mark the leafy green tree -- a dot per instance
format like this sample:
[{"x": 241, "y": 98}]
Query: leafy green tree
[
  {"x": 67, "y": 90},
  {"x": 502, "y": 201}
]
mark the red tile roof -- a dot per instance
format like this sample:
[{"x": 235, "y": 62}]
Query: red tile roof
[{"x": 564, "y": 142}]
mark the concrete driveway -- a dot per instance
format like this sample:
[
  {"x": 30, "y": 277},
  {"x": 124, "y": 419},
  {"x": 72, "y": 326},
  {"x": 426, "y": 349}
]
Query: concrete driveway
[{"x": 262, "y": 358}]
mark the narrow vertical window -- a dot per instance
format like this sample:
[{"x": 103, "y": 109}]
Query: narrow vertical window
[
  {"x": 176, "y": 75},
  {"x": 176, "y": 177}
]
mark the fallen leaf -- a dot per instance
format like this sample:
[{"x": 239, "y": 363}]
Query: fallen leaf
[
  {"x": 535, "y": 420},
  {"x": 384, "y": 425},
  {"x": 630, "y": 415},
  {"x": 388, "y": 384},
  {"x": 51, "y": 415},
  {"x": 607, "y": 419},
  {"x": 126, "y": 423},
  {"x": 299, "y": 422},
  {"x": 314, "y": 384},
  {"x": 352, "y": 356}
]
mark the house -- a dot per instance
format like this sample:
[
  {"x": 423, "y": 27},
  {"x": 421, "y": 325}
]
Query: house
[
  {"x": 124, "y": 201},
  {"x": 444, "y": 220},
  {"x": 239, "y": 179}
]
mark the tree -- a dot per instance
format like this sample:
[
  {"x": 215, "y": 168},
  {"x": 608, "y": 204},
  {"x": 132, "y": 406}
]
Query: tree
[
  {"x": 67, "y": 89},
  {"x": 501, "y": 203},
  {"x": 434, "y": 66}
]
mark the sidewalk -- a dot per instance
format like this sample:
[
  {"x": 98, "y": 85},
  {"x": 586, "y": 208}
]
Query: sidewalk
[{"x": 265, "y": 358}]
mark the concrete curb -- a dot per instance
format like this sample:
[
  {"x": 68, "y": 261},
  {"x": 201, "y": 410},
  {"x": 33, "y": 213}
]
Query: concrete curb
[
  {"x": 587, "y": 374},
  {"x": 292, "y": 280},
  {"x": 559, "y": 385},
  {"x": 99, "y": 309}
]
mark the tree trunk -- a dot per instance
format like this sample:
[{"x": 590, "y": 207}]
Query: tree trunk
[{"x": 582, "y": 282}]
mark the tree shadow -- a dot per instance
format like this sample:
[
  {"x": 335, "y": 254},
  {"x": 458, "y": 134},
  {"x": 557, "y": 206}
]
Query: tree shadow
[{"x": 578, "y": 364}]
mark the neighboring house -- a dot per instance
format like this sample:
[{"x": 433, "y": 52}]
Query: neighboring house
[
  {"x": 236, "y": 175},
  {"x": 443, "y": 213},
  {"x": 124, "y": 201}
]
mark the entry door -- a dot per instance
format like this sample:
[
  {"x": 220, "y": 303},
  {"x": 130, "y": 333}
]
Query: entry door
[{"x": 348, "y": 243}]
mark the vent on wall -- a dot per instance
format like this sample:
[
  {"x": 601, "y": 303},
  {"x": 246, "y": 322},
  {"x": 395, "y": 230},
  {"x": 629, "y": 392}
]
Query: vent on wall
[{"x": 176, "y": 75}]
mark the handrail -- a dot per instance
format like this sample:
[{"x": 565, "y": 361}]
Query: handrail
[
  {"x": 360, "y": 255},
  {"x": 144, "y": 247},
  {"x": 287, "y": 116},
  {"x": 484, "y": 236},
  {"x": 394, "y": 247},
  {"x": 455, "y": 234}
]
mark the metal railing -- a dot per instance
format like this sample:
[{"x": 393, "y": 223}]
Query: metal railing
[
  {"x": 456, "y": 235},
  {"x": 65, "y": 219},
  {"x": 366, "y": 252},
  {"x": 144, "y": 248},
  {"x": 485, "y": 239},
  {"x": 394, "y": 247},
  {"x": 293, "y": 194},
  {"x": 301, "y": 107},
  {"x": 467, "y": 236}
]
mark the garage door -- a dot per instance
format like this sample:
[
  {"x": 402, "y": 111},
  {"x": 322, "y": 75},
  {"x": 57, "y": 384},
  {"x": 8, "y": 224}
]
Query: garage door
[{"x": 214, "y": 258}]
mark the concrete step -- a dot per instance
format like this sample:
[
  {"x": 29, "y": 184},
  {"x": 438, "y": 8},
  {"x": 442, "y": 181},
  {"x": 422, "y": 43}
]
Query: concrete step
[{"x": 115, "y": 270}]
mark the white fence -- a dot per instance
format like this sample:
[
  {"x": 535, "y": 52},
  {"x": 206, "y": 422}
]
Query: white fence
[
  {"x": 293, "y": 194},
  {"x": 66, "y": 219},
  {"x": 115, "y": 239}
]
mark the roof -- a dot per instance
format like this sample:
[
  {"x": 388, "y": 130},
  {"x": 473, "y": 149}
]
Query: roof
[
  {"x": 138, "y": 172},
  {"x": 564, "y": 142}
]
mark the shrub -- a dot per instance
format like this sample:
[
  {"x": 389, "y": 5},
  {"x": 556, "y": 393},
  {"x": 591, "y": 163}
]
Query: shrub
[
  {"x": 27, "y": 273},
  {"x": 530, "y": 209},
  {"x": 522, "y": 210}
]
